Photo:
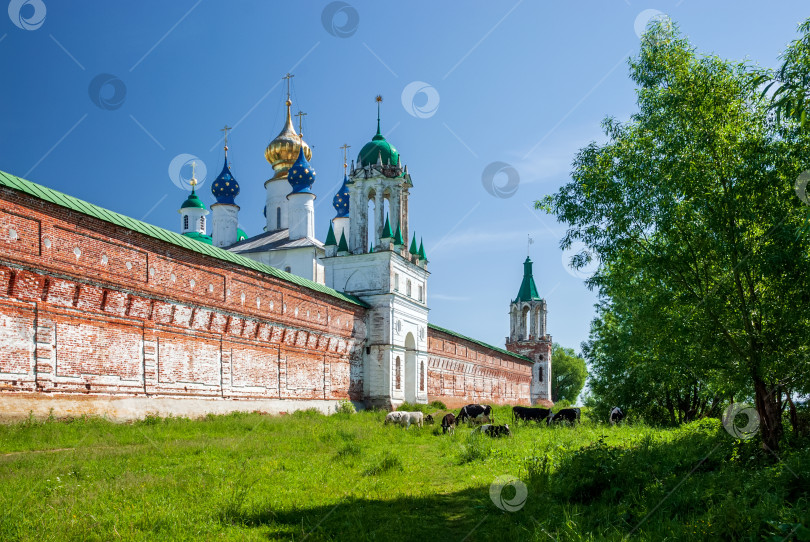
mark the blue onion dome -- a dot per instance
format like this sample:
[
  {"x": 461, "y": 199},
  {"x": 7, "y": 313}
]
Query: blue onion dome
[
  {"x": 301, "y": 175},
  {"x": 225, "y": 187},
  {"x": 341, "y": 199}
]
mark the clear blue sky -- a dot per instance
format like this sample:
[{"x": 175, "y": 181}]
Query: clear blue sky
[{"x": 523, "y": 83}]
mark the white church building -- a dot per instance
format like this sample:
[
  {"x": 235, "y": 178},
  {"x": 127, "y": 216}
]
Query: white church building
[{"x": 377, "y": 263}]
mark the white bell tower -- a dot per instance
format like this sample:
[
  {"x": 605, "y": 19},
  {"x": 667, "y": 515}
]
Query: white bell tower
[{"x": 374, "y": 263}]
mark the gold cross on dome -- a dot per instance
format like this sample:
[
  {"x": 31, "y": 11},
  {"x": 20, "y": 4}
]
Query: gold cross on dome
[
  {"x": 226, "y": 129},
  {"x": 345, "y": 148},
  {"x": 300, "y": 116},
  {"x": 193, "y": 181},
  {"x": 288, "y": 77}
]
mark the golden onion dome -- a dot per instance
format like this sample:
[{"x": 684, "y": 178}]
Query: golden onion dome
[{"x": 283, "y": 150}]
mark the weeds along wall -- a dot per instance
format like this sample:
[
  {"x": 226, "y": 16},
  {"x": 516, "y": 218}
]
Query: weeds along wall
[
  {"x": 463, "y": 371},
  {"x": 96, "y": 318}
]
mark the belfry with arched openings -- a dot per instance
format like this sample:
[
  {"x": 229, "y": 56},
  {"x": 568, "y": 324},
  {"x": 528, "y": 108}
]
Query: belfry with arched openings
[{"x": 528, "y": 335}]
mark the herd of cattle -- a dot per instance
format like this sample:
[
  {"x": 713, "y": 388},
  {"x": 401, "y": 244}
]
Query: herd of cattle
[{"x": 481, "y": 415}]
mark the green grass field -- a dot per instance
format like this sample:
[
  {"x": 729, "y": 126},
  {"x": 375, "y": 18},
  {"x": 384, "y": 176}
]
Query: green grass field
[{"x": 347, "y": 477}]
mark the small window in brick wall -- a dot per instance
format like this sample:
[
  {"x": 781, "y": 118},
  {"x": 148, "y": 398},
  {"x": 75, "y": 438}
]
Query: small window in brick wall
[
  {"x": 398, "y": 374},
  {"x": 421, "y": 376},
  {"x": 540, "y": 374}
]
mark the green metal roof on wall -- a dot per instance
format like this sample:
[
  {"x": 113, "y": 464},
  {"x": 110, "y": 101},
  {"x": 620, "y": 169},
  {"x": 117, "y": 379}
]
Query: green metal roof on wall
[
  {"x": 63, "y": 200},
  {"x": 480, "y": 343},
  {"x": 201, "y": 237}
]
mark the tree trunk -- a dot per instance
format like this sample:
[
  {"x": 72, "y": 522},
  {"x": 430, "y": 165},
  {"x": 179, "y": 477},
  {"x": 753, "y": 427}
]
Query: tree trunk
[
  {"x": 770, "y": 414},
  {"x": 794, "y": 417}
]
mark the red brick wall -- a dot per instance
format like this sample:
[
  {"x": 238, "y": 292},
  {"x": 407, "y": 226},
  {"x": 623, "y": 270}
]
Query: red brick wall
[
  {"x": 92, "y": 308},
  {"x": 461, "y": 372}
]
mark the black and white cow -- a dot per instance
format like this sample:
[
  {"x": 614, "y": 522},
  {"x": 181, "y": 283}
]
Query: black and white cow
[
  {"x": 570, "y": 415},
  {"x": 495, "y": 430},
  {"x": 616, "y": 415},
  {"x": 435, "y": 416},
  {"x": 475, "y": 413},
  {"x": 449, "y": 423},
  {"x": 529, "y": 414}
]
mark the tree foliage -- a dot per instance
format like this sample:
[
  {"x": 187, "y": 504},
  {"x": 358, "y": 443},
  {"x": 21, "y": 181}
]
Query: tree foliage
[
  {"x": 568, "y": 374},
  {"x": 690, "y": 209}
]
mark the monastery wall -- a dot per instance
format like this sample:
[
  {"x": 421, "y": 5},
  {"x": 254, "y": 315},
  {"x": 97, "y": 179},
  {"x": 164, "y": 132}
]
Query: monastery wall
[
  {"x": 462, "y": 371},
  {"x": 98, "y": 319}
]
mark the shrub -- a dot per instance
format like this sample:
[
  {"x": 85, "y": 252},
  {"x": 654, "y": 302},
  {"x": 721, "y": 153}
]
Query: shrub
[
  {"x": 345, "y": 407},
  {"x": 438, "y": 405}
]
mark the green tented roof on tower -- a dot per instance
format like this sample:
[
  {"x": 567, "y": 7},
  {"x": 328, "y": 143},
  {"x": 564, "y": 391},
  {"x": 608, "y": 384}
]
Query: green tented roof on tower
[
  {"x": 528, "y": 289},
  {"x": 343, "y": 246},
  {"x": 398, "y": 237},
  {"x": 330, "y": 237},
  {"x": 422, "y": 255},
  {"x": 413, "y": 250},
  {"x": 386, "y": 233}
]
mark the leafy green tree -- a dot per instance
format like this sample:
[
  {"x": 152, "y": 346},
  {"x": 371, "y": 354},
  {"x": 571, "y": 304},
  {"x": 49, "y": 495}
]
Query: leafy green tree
[
  {"x": 691, "y": 211},
  {"x": 568, "y": 374},
  {"x": 791, "y": 82}
]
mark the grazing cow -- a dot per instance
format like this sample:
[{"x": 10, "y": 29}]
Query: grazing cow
[
  {"x": 405, "y": 419},
  {"x": 616, "y": 415},
  {"x": 449, "y": 423},
  {"x": 393, "y": 417},
  {"x": 475, "y": 413},
  {"x": 530, "y": 414},
  {"x": 570, "y": 415},
  {"x": 432, "y": 418},
  {"x": 495, "y": 430}
]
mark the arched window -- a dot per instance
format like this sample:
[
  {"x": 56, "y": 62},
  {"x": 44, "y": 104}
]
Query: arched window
[
  {"x": 421, "y": 376},
  {"x": 202, "y": 223},
  {"x": 398, "y": 374},
  {"x": 540, "y": 374},
  {"x": 408, "y": 288},
  {"x": 525, "y": 324},
  {"x": 278, "y": 218},
  {"x": 185, "y": 222}
]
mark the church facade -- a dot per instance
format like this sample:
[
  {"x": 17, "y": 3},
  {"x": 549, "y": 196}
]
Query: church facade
[{"x": 103, "y": 314}]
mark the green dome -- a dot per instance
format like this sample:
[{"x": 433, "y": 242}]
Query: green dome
[
  {"x": 193, "y": 202},
  {"x": 202, "y": 238},
  {"x": 376, "y": 148}
]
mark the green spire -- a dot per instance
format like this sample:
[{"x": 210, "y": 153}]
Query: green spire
[
  {"x": 343, "y": 246},
  {"x": 528, "y": 290},
  {"x": 386, "y": 233},
  {"x": 371, "y": 248},
  {"x": 413, "y": 250},
  {"x": 330, "y": 237},
  {"x": 422, "y": 255},
  {"x": 398, "y": 237}
]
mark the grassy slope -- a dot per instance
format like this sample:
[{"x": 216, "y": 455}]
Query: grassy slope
[{"x": 256, "y": 477}]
